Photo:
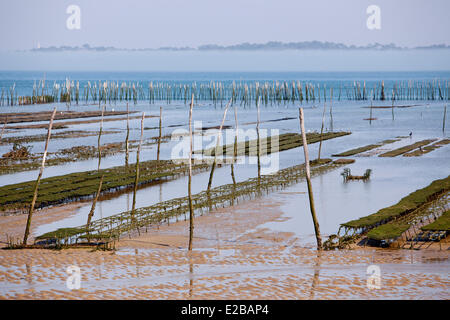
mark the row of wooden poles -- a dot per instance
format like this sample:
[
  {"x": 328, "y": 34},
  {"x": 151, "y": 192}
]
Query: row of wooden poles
[
  {"x": 127, "y": 151},
  {"x": 191, "y": 208},
  {"x": 132, "y": 216},
  {"x": 230, "y": 102},
  {"x": 217, "y": 93}
]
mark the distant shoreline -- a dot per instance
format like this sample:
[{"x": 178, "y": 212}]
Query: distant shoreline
[{"x": 268, "y": 46}]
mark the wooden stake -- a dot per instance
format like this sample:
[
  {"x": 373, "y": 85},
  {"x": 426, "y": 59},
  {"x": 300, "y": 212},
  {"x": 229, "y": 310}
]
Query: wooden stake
[
  {"x": 136, "y": 178},
  {"x": 308, "y": 181},
  {"x": 321, "y": 131},
  {"x": 211, "y": 174},
  {"x": 392, "y": 104},
  {"x": 38, "y": 180},
  {"x": 127, "y": 147},
  {"x": 331, "y": 109},
  {"x": 91, "y": 212},
  {"x": 371, "y": 105},
  {"x": 159, "y": 139},
  {"x": 235, "y": 146},
  {"x": 258, "y": 142},
  {"x": 445, "y": 115},
  {"x": 99, "y": 137},
  {"x": 191, "y": 208}
]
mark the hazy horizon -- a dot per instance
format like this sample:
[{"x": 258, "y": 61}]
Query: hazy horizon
[
  {"x": 178, "y": 23},
  {"x": 216, "y": 61},
  {"x": 29, "y": 24}
]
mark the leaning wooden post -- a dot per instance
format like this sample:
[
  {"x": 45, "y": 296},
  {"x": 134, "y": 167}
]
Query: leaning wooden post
[
  {"x": 443, "y": 121},
  {"x": 331, "y": 109},
  {"x": 211, "y": 174},
  {"x": 191, "y": 208},
  {"x": 36, "y": 186},
  {"x": 308, "y": 182},
  {"x": 393, "y": 96},
  {"x": 321, "y": 131},
  {"x": 159, "y": 138},
  {"x": 94, "y": 203},
  {"x": 98, "y": 142},
  {"x": 234, "y": 146},
  {"x": 258, "y": 143},
  {"x": 371, "y": 106},
  {"x": 136, "y": 178},
  {"x": 127, "y": 146}
]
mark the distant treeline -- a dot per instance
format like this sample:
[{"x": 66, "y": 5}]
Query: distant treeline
[{"x": 271, "y": 45}]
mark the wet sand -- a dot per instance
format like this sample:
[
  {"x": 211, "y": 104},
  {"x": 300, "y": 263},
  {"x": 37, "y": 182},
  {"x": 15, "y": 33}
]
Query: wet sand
[
  {"x": 64, "y": 124},
  {"x": 233, "y": 258}
]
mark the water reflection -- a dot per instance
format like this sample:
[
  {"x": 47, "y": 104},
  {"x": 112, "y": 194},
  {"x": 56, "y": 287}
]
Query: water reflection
[{"x": 315, "y": 281}]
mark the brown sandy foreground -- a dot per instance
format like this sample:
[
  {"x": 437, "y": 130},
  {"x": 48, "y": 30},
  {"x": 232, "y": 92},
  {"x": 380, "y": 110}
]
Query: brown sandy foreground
[{"x": 233, "y": 258}]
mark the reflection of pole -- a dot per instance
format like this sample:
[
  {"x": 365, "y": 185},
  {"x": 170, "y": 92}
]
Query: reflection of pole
[
  {"x": 38, "y": 180},
  {"x": 136, "y": 253},
  {"x": 191, "y": 277},
  {"x": 191, "y": 208},
  {"x": 316, "y": 276},
  {"x": 308, "y": 182}
]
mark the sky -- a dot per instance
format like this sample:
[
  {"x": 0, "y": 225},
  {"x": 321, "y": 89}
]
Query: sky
[
  {"x": 156, "y": 23},
  {"x": 129, "y": 24}
]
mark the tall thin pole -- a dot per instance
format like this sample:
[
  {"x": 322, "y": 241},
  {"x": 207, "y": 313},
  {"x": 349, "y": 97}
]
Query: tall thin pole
[
  {"x": 99, "y": 137},
  {"x": 235, "y": 146},
  {"x": 91, "y": 212},
  {"x": 392, "y": 104},
  {"x": 211, "y": 174},
  {"x": 445, "y": 115},
  {"x": 331, "y": 109},
  {"x": 136, "y": 178},
  {"x": 258, "y": 141},
  {"x": 191, "y": 208},
  {"x": 308, "y": 182},
  {"x": 127, "y": 146},
  {"x": 160, "y": 132},
  {"x": 321, "y": 131},
  {"x": 38, "y": 180}
]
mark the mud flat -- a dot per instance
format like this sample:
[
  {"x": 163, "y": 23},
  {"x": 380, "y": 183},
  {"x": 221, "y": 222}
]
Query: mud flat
[
  {"x": 355, "y": 151},
  {"x": 232, "y": 258},
  {"x": 18, "y": 117},
  {"x": 65, "y": 124}
]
